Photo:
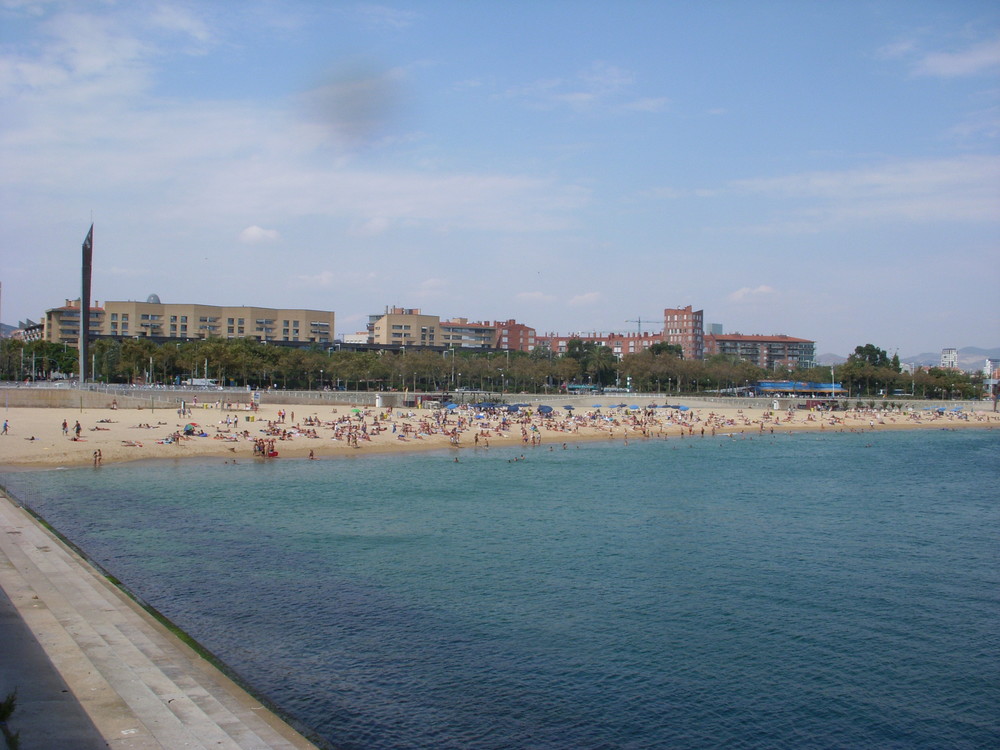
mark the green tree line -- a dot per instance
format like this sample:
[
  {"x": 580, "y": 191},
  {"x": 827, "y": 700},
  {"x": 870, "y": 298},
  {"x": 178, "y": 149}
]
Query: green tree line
[{"x": 246, "y": 362}]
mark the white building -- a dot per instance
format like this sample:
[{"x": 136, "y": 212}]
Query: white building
[{"x": 949, "y": 359}]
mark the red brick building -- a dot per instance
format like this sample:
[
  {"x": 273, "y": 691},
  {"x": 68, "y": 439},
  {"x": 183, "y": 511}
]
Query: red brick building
[{"x": 686, "y": 328}]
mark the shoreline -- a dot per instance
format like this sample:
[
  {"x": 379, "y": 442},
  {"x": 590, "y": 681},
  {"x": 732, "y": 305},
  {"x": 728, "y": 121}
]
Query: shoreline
[{"x": 45, "y": 437}]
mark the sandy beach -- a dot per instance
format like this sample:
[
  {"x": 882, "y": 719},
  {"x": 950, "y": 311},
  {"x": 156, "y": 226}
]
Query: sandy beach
[{"x": 47, "y": 437}]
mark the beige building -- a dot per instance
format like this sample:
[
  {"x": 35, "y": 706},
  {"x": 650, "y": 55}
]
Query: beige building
[
  {"x": 153, "y": 319},
  {"x": 404, "y": 326},
  {"x": 62, "y": 324}
]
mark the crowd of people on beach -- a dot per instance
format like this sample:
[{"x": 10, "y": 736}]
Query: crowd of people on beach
[
  {"x": 534, "y": 426},
  {"x": 476, "y": 425}
]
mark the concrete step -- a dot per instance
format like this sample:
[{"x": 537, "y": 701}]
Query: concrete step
[{"x": 139, "y": 685}]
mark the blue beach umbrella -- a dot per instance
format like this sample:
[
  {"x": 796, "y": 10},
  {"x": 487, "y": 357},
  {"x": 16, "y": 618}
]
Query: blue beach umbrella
[
  {"x": 512, "y": 408},
  {"x": 451, "y": 406},
  {"x": 544, "y": 409},
  {"x": 567, "y": 407},
  {"x": 596, "y": 406},
  {"x": 634, "y": 406}
]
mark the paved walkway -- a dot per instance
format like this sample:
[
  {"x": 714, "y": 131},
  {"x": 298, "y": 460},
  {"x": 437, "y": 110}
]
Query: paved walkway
[{"x": 92, "y": 669}]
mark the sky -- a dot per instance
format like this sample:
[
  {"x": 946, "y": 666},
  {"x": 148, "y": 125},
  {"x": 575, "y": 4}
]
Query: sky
[{"x": 825, "y": 170}]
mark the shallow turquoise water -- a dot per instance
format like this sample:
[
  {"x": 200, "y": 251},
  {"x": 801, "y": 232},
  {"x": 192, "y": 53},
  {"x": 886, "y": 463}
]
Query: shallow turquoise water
[{"x": 837, "y": 590}]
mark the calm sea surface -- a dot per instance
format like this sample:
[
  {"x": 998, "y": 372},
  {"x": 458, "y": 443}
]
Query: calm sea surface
[{"x": 822, "y": 591}]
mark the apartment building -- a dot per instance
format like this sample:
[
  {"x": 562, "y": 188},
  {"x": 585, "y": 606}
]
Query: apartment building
[
  {"x": 401, "y": 326},
  {"x": 619, "y": 343},
  {"x": 153, "y": 319},
  {"x": 61, "y": 325},
  {"x": 685, "y": 328},
  {"x": 768, "y": 352},
  {"x": 514, "y": 336},
  {"x": 949, "y": 359}
]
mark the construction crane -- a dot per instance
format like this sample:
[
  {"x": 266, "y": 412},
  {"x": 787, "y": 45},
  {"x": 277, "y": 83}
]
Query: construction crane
[{"x": 638, "y": 322}]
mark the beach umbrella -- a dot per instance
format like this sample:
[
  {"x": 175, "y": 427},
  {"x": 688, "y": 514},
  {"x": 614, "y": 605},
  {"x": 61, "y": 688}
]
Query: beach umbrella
[
  {"x": 634, "y": 406},
  {"x": 190, "y": 427},
  {"x": 544, "y": 409},
  {"x": 451, "y": 406},
  {"x": 596, "y": 406},
  {"x": 512, "y": 408},
  {"x": 684, "y": 408},
  {"x": 567, "y": 407}
]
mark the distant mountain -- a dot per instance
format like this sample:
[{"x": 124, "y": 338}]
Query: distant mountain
[
  {"x": 970, "y": 358},
  {"x": 830, "y": 359},
  {"x": 6, "y": 330}
]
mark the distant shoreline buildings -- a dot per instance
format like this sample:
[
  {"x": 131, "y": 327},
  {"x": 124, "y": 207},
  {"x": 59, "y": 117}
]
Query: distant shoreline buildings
[{"x": 398, "y": 328}]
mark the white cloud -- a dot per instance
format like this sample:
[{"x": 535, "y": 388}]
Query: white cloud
[
  {"x": 321, "y": 279},
  {"x": 979, "y": 58},
  {"x": 749, "y": 293},
  {"x": 370, "y": 227},
  {"x": 255, "y": 235},
  {"x": 648, "y": 104},
  {"x": 175, "y": 18},
  {"x": 896, "y": 50},
  {"x": 535, "y": 297},
  {"x": 326, "y": 279},
  {"x": 583, "y": 300},
  {"x": 959, "y": 190},
  {"x": 601, "y": 86},
  {"x": 386, "y": 17},
  {"x": 431, "y": 289}
]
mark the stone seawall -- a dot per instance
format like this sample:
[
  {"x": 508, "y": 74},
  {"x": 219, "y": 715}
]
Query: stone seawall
[{"x": 61, "y": 398}]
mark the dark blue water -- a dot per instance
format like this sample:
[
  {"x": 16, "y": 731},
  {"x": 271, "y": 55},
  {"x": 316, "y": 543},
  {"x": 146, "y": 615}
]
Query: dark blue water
[{"x": 826, "y": 591}]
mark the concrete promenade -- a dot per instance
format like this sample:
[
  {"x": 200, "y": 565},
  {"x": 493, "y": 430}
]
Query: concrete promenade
[{"x": 92, "y": 669}]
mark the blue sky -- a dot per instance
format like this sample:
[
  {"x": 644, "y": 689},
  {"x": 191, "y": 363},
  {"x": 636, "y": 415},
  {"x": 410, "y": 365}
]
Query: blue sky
[{"x": 827, "y": 170}]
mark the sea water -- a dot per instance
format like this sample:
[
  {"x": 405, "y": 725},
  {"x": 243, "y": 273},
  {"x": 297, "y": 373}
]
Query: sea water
[{"x": 816, "y": 590}]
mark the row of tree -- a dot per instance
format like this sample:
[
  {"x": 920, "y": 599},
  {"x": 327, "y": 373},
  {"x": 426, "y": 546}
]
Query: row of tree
[{"x": 246, "y": 362}]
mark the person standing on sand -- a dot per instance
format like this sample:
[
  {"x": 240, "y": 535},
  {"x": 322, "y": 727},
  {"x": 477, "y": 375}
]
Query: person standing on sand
[
  {"x": 6, "y": 425},
  {"x": 65, "y": 427},
  {"x": 77, "y": 429}
]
